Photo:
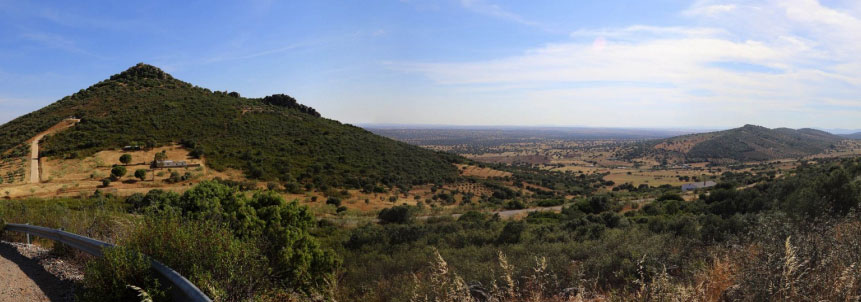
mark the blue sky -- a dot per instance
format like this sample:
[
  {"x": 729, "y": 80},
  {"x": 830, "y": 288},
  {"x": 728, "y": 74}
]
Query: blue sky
[{"x": 663, "y": 63}]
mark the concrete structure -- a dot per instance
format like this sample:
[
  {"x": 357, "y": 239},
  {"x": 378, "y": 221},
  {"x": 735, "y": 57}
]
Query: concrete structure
[
  {"x": 698, "y": 185},
  {"x": 170, "y": 164}
]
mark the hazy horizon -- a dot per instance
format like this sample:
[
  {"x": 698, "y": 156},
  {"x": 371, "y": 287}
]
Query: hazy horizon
[
  {"x": 701, "y": 64},
  {"x": 553, "y": 127}
]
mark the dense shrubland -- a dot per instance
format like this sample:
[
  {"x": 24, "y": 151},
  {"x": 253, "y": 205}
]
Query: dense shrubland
[
  {"x": 232, "y": 245},
  {"x": 729, "y": 242},
  {"x": 792, "y": 238},
  {"x": 271, "y": 139}
]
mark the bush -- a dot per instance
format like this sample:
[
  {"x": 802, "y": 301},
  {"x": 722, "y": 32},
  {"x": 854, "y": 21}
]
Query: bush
[
  {"x": 670, "y": 196},
  {"x": 593, "y": 205},
  {"x": 140, "y": 174},
  {"x": 398, "y": 214},
  {"x": 207, "y": 254},
  {"x": 516, "y": 204},
  {"x": 125, "y": 159},
  {"x": 550, "y": 202},
  {"x": 279, "y": 229},
  {"x": 335, "y": 201},
  {"x": 109, "y": 278},
  {"x": 118, "y": 172},
  {"x": 511, "y": 233}
]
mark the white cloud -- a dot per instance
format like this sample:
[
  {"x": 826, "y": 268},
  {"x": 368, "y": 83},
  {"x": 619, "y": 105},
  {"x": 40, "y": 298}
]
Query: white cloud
[
  {"x": 801, "y": 57},
  {"x": 710, "y": 10}
]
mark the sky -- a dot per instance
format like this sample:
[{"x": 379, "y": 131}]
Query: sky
[{"x": 655, "y": 64}]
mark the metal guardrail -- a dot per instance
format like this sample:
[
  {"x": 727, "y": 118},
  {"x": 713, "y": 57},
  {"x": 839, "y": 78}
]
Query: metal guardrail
[{"x": 185, "y": 290}]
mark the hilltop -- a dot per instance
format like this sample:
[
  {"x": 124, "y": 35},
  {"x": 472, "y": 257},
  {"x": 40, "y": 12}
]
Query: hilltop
[
  {"x": 747, "y": 143},
  {"x": 269, "y": 139}
]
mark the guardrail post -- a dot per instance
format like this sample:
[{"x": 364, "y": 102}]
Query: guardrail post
[{"x": 28, "y": 236}]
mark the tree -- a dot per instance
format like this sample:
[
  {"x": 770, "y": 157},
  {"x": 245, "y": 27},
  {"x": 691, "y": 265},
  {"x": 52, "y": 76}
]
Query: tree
[
  {"x": 118, "y": 172},
  {"x": 140, "y": 174},
  {"x": 106, "y": 182},
  {"x": 126, "y": 159},
  {"x": 398, "y": 214},
  {"x": 335, "y": 201},
  {"x": 160, "y": 156}
]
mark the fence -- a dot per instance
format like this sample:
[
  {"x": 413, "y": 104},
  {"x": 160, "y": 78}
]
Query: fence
[{"x": 183, "y": 289}]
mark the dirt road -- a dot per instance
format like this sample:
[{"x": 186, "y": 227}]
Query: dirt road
[
  {"x": 515, "y": 213},
  {"x": 24, "y": 279},
  {"x": 34, "y": 159},
  {"x": 34, "y": 146}
]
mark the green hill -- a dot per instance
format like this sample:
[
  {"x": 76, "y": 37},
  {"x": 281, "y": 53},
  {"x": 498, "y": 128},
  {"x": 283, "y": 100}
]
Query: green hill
[
  {"x": 272, "y": 138},
  {"x": 748, "y": 143}
]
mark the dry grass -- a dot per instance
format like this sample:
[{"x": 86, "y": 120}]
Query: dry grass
[
  {"x": 475, "y": 171},
  {"x": 813, "y": 263}
]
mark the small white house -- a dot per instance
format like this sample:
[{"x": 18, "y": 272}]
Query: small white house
[{"x": 170, "y": 164}]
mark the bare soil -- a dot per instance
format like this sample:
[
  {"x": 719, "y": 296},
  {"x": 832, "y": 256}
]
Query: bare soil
[{"x": 24, "y": 278}]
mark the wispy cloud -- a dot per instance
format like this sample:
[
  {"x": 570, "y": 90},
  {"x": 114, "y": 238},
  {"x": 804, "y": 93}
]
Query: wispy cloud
[
  {"x": 808, "y": 57},
  {"x": 57, "y": 42},
  {"x": 494, "y": 10}
]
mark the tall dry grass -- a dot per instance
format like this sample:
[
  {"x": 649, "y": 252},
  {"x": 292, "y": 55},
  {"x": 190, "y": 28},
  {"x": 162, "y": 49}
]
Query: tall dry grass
[{"x": 784, "y": 262}]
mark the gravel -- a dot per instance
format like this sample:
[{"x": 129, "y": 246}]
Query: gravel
[{"x": 31, "y": 273}]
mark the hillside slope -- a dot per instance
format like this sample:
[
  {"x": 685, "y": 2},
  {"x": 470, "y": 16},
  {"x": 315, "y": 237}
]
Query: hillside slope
[
  {"x": 748, "y": 143},
  {"x": 852, "y": 136},
  {"x": 273, "y": 138}
]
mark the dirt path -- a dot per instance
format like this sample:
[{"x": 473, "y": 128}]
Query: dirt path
[
  {"x": 24, "y": 279},
  {"x": 34, "y": 159},
  {"x": 34, "y": 146},
  {"x": 514, "y": 213}
]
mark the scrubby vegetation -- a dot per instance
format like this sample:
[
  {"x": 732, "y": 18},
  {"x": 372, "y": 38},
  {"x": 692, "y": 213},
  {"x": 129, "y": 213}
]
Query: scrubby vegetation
[
  {"x": 760, "y": 234},
  {"x": 751, "y": 238},
  {"x": 271, "y": 139},
  {"x": 232, "y": 246},
  {"x": 666, "y": 249}
]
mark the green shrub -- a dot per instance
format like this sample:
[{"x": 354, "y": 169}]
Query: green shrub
[
  {"x": 281, "y": 230},
  {"x": 207, "y": 254},
  {"x": 108, "y": 278},
  {"x": 118, "y": 172},
  {"x": 398, "y": 214},
  {"x": 550, "y": 202},
  {"x": 335, "y": 201},
  {"x": 516, "y": 204},
  {"x": 140, "y": 174}
]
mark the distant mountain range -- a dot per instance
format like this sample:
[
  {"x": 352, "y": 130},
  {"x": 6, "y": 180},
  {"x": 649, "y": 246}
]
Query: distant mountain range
[
  {"x": 748, "y": 143},
  {"x": 270, "y": 139}
]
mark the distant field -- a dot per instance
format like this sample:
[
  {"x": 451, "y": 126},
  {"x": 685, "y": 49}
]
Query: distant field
[{"x": 583, "y": 152}]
